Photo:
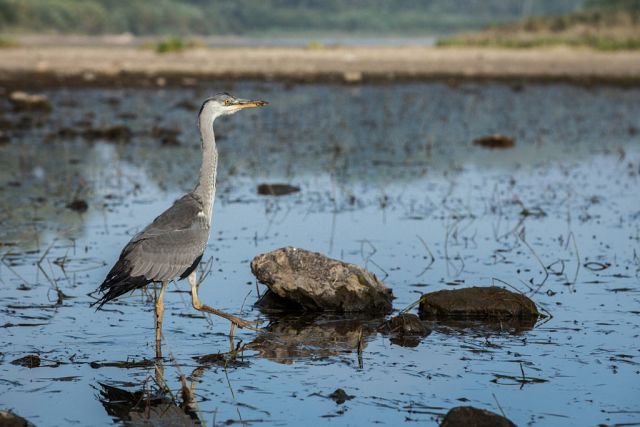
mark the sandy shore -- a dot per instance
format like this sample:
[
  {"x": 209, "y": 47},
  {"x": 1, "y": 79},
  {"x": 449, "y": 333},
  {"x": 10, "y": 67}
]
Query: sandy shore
[{"x": 107, "y": 65}]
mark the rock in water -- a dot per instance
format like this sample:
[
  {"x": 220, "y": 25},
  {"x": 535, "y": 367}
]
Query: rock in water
[
  {"x": 404, "y": 324},
  {"x": 319, "y": 283},
  {"x": 276, "y": 189},
  {"x": 9, "y": 419},
  {"x": 491, "y": 303},
  {"x": 23, "y": 101},
  {"x": 465, "y": 416},
  {"x": 340, "y": 396},
  {"x": 495, "y": 141},
  {"x": 30, "y": 361},
  {"x": 405, "y": 330}
]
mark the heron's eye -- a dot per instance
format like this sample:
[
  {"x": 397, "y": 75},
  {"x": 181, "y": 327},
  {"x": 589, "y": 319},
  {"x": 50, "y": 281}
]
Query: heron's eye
[{"x": 227, "y": 102}]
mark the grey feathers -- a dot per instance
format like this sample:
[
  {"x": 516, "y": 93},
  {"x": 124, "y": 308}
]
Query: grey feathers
[{"x": 165, "y": 250}]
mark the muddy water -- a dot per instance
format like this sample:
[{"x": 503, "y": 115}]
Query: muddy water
[{"x": 389, "y": 179}]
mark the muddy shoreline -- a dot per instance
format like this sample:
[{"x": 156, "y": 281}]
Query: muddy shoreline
[{"x": 73, "y": 66}]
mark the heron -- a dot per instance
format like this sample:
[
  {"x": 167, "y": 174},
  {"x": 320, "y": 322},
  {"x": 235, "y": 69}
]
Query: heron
[{"x": 171, "y": 247}]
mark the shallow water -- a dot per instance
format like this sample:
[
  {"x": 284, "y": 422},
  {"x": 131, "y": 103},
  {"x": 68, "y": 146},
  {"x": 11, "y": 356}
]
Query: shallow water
[{"x": 388, "y": 177}]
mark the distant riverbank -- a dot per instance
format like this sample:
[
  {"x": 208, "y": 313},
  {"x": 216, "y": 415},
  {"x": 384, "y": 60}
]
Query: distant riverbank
[{"x": 28, "y": 66}]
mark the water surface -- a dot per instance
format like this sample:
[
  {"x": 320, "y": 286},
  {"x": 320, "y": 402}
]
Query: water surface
[{"x": 389, "y": 179}]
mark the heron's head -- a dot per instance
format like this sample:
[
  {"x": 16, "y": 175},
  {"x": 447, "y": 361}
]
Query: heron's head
[{"x": 224, "y": 104}]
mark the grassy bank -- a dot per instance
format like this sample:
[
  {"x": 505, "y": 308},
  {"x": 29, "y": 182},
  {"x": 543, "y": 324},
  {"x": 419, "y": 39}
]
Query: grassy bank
[{"x": 601, "y": 28}]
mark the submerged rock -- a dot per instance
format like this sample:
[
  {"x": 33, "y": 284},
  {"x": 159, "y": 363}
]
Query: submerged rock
[
  {"x": 277, "y": 189},
  {"x": 466, "y": 416},
  {"x": 495, "y": 141},
  {"x": 167, "y": 136},
  {"x": 118, "y": 133},
  {"x": 23, "y": 101},
  {"x": 405, "y": 330},
  {"x": 78, "y": 205},
  {"x": 30, "y": 361},
  {"x": 9, "y": 419},
  {"x": 340, "y": 396},
  {"x": 477, "y": 303},
  {"x": 318, "y": 283},
  {"x": 4, "y": 137}
]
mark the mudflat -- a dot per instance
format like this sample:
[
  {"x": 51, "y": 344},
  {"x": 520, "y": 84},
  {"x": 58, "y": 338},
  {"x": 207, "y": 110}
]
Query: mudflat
[{"x": 135, "y": 66}]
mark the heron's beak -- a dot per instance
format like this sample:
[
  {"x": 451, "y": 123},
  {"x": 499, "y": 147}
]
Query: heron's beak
[{"x": 245, "y": 103}]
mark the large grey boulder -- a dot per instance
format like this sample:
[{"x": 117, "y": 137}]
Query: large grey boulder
[{"x": 318, "y": 283}]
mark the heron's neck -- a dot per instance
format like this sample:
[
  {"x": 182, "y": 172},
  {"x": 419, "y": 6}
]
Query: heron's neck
[{"x": 206, "y": 187}]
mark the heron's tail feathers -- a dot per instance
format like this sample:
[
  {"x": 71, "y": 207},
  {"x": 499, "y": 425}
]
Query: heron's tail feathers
[{"x": 118, "y": 283}]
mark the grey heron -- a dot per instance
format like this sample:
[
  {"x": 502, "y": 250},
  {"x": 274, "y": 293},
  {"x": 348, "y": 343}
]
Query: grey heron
[{"x": 172, "y": 246}]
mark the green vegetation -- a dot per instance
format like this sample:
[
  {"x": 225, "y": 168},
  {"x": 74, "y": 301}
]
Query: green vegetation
[
  {"x": 615, "y": 5},
  {"x": 204, "y": 17},
  {"x": 7, "y": 42},
  {"x": 602, "y": 25},
  {"x": 594, "y": 42},
  {"x": 172, "y": 44}
]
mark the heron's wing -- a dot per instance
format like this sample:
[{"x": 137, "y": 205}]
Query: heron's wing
[{"x": 171, "y": 244}]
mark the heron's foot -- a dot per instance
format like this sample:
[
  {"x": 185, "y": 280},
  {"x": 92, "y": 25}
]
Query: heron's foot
[
  {"x": 240, "y": 323},
  {"x": 245, "y": 324}
]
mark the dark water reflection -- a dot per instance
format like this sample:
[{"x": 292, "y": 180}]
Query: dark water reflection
[
  {"x": 290, "y": 337},
  {"x": 389, "y": 179},
  {"x": 145, "y": 407}
]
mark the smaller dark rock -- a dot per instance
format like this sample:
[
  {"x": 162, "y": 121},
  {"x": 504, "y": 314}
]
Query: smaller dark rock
[
  {"x": 340, "y": 396},
  {"x": 485, "y": 303},
  {"x": 167, "y": 136},
  {"x": 276, "y": 189},
  {"x": 404, "y": 324},
  {"x": 30, "y": 361},
  {"x": 4, "y": 137},
  {"x": 468, "y": 416},
  {"x": 127, "y": 115},
  {"x": 119, "y": 133},
  {"x": 112, "y": 100},
  {"x": 78, "y": 205},
  {"x": 220, "y": 359},
  {"x": 405, "y": 329},
  {"x": 495, "y": 141},
  {"x": 9, "y": 419},
  {"x": 185, "y": 104},
  {"x": 66, "y": 133}
]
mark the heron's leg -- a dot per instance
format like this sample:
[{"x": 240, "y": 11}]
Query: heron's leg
[
  {"x": 241, "y": 323},
  {"x": 160, "y": 382},
  {"x": 159, "y": 315}
]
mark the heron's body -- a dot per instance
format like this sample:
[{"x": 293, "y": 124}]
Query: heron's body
[
  {"x": 167, "y": 249},
  {"x": 172, "y": 246}
]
